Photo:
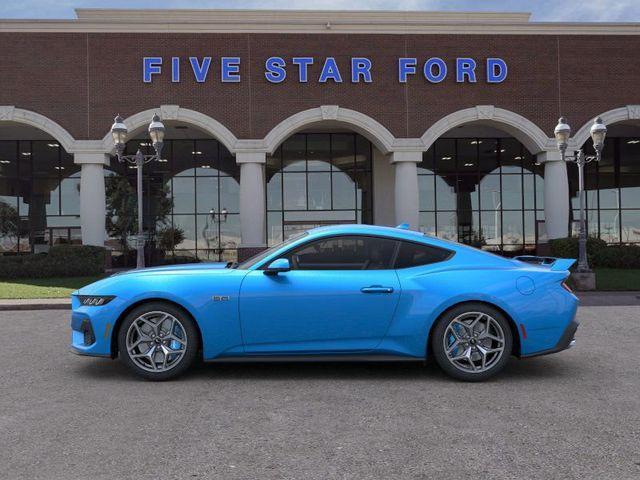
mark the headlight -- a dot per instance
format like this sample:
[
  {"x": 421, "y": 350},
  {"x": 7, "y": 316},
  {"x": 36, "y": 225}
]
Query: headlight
[{"x": 95, "y": 300}]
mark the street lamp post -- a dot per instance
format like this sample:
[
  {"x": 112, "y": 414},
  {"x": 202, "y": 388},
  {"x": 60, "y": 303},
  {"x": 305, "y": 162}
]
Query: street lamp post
[
  {"x": 119, "y": 133},
  {"x": 562, "y": 133}
]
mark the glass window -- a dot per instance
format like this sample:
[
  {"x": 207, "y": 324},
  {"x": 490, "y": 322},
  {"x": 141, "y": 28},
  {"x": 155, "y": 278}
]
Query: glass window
[
  {"x": 344, "y": 253},
  {"x": 318, "y": 179},
  {"x": 416, "y": 254}
]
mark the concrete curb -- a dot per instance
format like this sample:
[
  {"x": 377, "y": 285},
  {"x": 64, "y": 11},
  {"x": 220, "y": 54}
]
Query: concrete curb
[{"x": 35, "y": 304}]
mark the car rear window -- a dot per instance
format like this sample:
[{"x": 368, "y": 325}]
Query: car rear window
[{"x": 416, "y": 254}]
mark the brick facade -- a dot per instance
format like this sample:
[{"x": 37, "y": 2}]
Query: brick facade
[{"x": 80, "y": 80}]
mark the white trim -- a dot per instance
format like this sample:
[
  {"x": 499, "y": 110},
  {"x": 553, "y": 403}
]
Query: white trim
[
  {"x": 309, "y": 21},
  {"x": 177, "y": 113},
  {"x": 527, "y": 132},
  {"x": 9, "y": 113},
  {"x": 382, "y": 138},
  {"x": 629, "y": 112}
]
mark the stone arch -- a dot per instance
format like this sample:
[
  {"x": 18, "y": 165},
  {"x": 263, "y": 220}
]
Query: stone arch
[
  {"x": 373, "y": 130},
  {"x": 10, "y": 113},
  {"x": 629, "y": 112},
  {"x": 177, "y": 113},
  {"x": 527, "y": 132}
]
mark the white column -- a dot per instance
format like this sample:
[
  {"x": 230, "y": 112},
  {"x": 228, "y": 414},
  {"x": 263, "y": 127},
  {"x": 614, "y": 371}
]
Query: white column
[
  {"x": 406, "y": 187},
  {"x": 92, "y": 197},
  {"x": 556, "y": 194},
  {"x": 252, "y": 199}
]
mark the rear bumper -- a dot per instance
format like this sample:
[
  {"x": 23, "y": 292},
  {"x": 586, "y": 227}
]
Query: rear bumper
[{"x": 567, "y": 340}]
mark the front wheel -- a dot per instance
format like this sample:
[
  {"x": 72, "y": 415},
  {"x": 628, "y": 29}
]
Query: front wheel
[
  {"x": 472, "y": 342},
  {"x": 158, "y": 341}
]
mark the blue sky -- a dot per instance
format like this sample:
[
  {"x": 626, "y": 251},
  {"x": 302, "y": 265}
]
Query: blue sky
[{"x": 543, "y": 10}]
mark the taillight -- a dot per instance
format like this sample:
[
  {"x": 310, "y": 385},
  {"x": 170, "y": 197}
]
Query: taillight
[{"x": 566, "y": 286}]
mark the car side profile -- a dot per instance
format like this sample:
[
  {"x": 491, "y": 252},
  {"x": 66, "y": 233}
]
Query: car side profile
[{"x": 347, "y": 292}]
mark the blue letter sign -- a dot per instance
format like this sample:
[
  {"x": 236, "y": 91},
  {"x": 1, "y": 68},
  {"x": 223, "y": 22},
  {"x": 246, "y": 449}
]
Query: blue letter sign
[
  {"x": 496, "y": 70},
  {"x": 434, "y": 69},
  {"x": 151, "y": 66},
  {"x": 275, "y": 69},
  {"x": 200, "y": 71}
]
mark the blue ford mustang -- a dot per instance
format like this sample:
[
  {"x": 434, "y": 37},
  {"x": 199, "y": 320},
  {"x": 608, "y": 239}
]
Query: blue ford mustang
[{"x": 342, "y": 292}]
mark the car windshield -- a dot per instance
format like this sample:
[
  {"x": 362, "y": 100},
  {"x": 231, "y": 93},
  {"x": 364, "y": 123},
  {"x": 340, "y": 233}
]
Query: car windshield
[{"x": 262, "y": 255}]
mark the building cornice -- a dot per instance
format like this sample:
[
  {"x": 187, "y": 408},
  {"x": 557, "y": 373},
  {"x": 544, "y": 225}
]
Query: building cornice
[{"x": 314, "y": 22}]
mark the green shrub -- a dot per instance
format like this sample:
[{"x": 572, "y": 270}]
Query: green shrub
[
  {"x": 568, "y": 247},
  {"x": 61, "y": 261},
  {"x": 618, "y": 256},
  {"x": 599, "y": 253}
]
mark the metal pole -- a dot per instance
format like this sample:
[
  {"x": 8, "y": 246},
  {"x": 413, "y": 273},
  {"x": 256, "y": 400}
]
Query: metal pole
[
  {"x": 140, "y": 239},
  {"x": 583, "y": 264}
]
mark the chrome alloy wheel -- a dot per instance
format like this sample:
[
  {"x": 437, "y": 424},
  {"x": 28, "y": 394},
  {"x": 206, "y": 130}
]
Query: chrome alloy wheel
[
  {"x": 474, "y": 342},
  {"x": 156, "y": 341}
]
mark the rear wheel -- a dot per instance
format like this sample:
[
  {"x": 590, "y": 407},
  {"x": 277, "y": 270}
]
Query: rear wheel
[
  {"x": 158, "y": 341},
  {"x": 472, "y": 342}
]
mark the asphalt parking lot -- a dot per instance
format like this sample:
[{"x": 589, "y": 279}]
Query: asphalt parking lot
[{"x": 571, "y": 415}]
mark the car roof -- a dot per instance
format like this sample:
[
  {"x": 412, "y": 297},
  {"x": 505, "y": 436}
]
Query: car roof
[{"x": 359, "y": 229}]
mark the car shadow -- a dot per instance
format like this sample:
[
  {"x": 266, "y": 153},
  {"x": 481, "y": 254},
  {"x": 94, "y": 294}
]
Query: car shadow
[{"x": 517, "y": 370}]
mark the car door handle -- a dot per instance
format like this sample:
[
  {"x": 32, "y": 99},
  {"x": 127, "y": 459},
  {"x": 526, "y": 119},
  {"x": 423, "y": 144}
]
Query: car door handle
[{"x": 376, "y": 289}]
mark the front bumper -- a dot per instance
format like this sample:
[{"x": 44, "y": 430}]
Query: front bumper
[
  {"x": 92, "y": 328},
  {"x": 567, "y": 340}
]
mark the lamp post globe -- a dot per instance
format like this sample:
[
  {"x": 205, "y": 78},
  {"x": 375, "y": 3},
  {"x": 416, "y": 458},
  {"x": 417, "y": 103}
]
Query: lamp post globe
[
  {"x": 562, "y": 133},
  {"x": 598, "y": 133},
  {"x": 119, "y": 133},
  {"x": 156, "y": 132}
]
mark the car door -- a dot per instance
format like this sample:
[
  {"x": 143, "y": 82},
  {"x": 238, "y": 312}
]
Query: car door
[{"x": 339, "y": 296}]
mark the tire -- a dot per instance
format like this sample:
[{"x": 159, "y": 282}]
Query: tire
[
  {"x": 158, "y": 341},
  {"x": 465, "y": 348}
]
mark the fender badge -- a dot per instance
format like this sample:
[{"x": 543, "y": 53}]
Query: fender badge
[{"x": 220, "y": 298}]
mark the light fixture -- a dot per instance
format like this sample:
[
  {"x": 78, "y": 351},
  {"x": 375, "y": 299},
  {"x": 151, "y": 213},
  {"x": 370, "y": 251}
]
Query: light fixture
[
  {"x": 632, "y": 142},
  {"x": 25, "y": 154},
  {"x": 598, "y": 133},
  {"x": 119, "y": 133},
  {"x": 58, "y": 168},
  {"x": 447, "y": 158},
  {"x": 4, "y": 162},
  {"x": 156, "y": 132},
  {"x": 196, "y": 152},
  {"x": 476, "y": 142},
  {"x": 562, "y": 133},
  {"x": 53, "y": 145},
  {"x": 205, "y": 166},
  {"x": 222, "y": 216},
  {"x": 517, "y": 158},
  {"x": 162, "y": 160},
  {"x": 468, "y": 164}
]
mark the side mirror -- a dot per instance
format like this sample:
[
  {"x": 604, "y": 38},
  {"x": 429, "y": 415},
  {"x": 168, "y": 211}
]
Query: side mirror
[{"x": 277, "y": 266}]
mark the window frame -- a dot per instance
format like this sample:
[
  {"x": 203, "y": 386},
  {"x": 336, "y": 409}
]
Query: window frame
[{"x": 396, "y": 251}]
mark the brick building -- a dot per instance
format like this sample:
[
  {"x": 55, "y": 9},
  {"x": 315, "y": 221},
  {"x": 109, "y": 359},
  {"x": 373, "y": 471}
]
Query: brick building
[{"x": 279, "y": 121}]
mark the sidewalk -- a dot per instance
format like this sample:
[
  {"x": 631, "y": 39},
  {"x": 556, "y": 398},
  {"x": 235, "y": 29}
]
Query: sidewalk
[{"x": 587, "y": 299}]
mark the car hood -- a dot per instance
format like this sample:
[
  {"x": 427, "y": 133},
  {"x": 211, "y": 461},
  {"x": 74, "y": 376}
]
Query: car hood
[
  {"x": 176, "y": 268},
  {"x": 107, "y": 285}
]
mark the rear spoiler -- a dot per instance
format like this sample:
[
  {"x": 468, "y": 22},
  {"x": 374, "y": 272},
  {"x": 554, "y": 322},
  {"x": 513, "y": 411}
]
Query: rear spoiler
[{"x": 554, "y": 264}]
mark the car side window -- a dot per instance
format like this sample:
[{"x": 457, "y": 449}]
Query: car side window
[
  {"x": 416, "y": 254},
  {"x": 344, "y": 253}
]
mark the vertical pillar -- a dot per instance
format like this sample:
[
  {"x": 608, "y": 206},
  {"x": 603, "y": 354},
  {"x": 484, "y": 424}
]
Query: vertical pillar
[
  {"x": 406, "y": 187},
  {"x": 252, "y": 203},
  {"x": 556, "y": 194},
  {"x": 92, "y": 197}
]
